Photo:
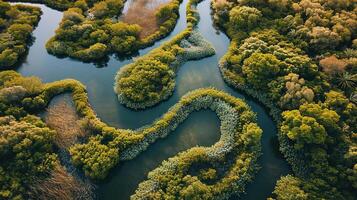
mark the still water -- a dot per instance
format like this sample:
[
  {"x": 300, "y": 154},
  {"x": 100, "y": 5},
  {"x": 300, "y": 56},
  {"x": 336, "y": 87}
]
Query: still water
[{"x": 201, "y": 128}]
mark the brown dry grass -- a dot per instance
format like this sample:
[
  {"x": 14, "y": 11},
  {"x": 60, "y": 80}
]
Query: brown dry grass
[
  {"x": 61, "y": 185},
  {"x": 63, "y": 118},
  {"x": 142, "y": 12},
  {"x": 332, "y": 65}
]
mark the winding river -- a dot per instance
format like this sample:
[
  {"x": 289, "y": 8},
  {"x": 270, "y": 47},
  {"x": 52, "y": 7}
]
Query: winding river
[{"x": 201, "y": 128}]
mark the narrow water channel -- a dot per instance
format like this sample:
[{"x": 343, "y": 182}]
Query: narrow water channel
[{"x": 201, "y": 128}]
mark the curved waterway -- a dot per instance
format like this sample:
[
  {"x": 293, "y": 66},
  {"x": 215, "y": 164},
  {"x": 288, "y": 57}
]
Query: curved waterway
[{"x": 201, "y": 128}]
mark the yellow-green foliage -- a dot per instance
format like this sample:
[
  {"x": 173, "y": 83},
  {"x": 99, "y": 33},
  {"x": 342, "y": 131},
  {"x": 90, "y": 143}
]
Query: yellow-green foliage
[
  {"x": 25, "y": 154},
  {"x": 148, "y": 80},
  {"x": 111, "y": 141},
  {"x": 16, "y": 25},
  {"x": 289, "y": 188}
]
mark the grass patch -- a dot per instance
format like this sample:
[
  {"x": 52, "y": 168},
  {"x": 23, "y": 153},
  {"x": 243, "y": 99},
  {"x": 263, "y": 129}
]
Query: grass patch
[{"x": 62, "y": 117}]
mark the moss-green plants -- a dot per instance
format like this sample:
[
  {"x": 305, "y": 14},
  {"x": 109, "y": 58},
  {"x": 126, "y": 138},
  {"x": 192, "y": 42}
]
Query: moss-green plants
[
  {"x": 58, "y": 5},
  {"x": 16, "y": 25},
  {"x": 26, "y": 143}
]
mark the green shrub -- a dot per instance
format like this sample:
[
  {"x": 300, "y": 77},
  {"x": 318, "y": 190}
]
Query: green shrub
[
  {"x": 244, "y": 17},
  {"x": 147, "y": 81}
]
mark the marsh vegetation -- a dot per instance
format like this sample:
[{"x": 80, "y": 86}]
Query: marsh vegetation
[{"x": 297, "y": 58}]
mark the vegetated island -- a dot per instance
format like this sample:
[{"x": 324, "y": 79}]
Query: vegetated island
[
  {"x": 16, "y": 25},
  {"x": 299, "y": 59}
]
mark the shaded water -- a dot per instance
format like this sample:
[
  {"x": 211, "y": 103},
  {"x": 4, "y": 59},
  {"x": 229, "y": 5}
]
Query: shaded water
[{"x": 201, "y": 128}]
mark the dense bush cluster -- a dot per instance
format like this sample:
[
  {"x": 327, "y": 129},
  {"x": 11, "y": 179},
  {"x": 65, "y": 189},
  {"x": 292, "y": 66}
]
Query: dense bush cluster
[
  {"x": 300, "y": 61},
  {"x": 25, "y": 154},
  {"x": 26, "y": 151},
  {"x": 147, "y": 80},
  {"x": 150, "y": 79},
  {"x": 293, "y": 191},
  {"x": 38, "y": 95},
  {"x": 15, "y": 92},
  {"x": 90, "y": 30},
  {"x": 16, "y": 25}
]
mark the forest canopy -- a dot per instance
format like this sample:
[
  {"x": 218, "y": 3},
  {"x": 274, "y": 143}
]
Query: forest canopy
[{"x": 299, "y": 59}]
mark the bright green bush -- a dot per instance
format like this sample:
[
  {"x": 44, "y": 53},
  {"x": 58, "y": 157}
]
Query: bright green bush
[
  {"x": 261, "y": 68},
  {"x": 93, "y": 52},
  {"x": 302, "y": 129},
  {"x": 289, "y": 188},
  {"x": 148, "y": 81},
  {"x": 244, "y": 17},
  {"x": 95, "y": 158}
]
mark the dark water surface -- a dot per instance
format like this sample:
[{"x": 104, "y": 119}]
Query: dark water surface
[{"x": 201, "y": 128}]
